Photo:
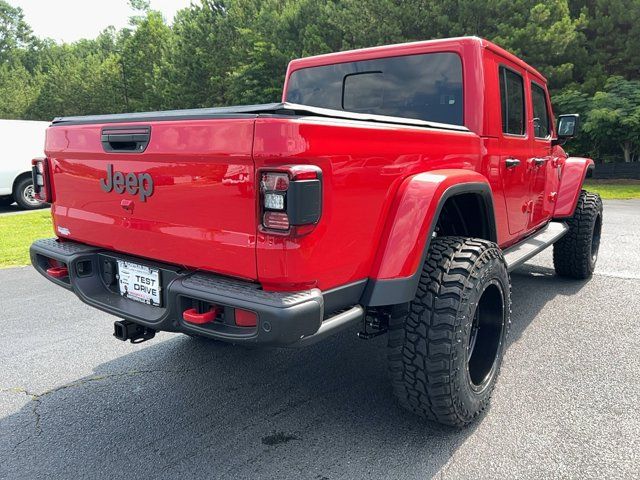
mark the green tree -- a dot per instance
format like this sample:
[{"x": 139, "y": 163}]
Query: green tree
[
  {"x": 615, "y": 116},
  {"x": 202, "y": 56},
  {"x": 545, "y": 36},
  {"x": 575, "y": 101},
  {"x": 77, "y": 85},
  {"x": 611, "y": 41},
  {"x": 15, "y": 33},
  {"x": 18, "y": 90},
  {"x": 145, "y": 68},
  {"x": 270, "y": 34},
  {"x": 258, "y": 79}
]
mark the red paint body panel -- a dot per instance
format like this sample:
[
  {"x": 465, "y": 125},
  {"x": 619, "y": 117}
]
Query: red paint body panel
[
  {"x": 381, "y": 183},
  {"x": 526, "y": 186},
  {"x": 363, "y": 166},
  {"x": 574, "y": 172}
]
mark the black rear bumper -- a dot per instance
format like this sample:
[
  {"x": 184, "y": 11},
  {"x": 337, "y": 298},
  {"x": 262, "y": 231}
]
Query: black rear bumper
[{"x": 284, "y": 318}]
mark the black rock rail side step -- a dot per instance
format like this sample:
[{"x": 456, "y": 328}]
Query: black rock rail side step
[
  {"x": 333, "y": 325},
  {"x": 519, "y": 253}
]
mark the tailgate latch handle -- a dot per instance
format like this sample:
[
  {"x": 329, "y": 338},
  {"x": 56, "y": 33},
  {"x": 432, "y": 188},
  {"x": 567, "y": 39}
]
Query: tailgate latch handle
[{"x": 125, "y": 139}]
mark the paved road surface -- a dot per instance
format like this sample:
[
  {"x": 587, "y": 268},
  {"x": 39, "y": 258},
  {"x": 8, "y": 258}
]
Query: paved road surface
[{"x": 76, "y": 403}]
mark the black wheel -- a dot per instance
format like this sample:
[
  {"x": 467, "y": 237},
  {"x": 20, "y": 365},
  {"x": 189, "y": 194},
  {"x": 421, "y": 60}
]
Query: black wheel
[
  {"x": 24, "y": 194},
  {"x": 575, "y": 255},
  {"x": 446, "y": 346},
  {"x": 6, "y": 201}
]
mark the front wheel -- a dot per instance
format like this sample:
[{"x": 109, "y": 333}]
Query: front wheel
[
  {"x": 575, "y": 255},
  {"x": 25, "y": 195},
  {"x": 446, "y": 346}
]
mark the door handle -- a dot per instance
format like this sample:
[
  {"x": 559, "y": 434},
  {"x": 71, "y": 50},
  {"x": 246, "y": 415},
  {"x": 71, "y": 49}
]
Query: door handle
[
  {"x": 512, "y": 162},
  {"x": 538, "y": 162}
]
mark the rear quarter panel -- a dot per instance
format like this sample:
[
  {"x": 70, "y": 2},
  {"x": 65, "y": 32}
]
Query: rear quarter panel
[{"x": 363, "y": 165}]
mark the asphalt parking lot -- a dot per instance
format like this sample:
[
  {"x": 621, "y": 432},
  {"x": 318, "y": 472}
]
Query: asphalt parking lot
[{"x": 76, "y": 403}]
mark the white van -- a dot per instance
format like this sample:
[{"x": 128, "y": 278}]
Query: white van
[{"x": 22, "y": 141}]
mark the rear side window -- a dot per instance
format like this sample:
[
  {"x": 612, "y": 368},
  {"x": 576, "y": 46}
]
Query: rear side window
[
  {"x": 512, "y": 102},
  {"x": 540, "y": 111},
  {"x": 426, "y": 87}
]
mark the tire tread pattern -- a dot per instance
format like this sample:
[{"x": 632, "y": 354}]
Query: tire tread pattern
[
  {"x": 572, "y": 253},
  {"x": 422, "y": 355}
]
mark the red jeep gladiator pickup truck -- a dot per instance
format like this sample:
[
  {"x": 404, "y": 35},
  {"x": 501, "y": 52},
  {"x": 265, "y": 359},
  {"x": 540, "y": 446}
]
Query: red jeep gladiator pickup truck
[{"x": 395, "y": 187}]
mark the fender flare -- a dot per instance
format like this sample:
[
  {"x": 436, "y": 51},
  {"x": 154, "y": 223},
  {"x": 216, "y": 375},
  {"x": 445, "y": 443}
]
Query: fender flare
[
  {"x": 410, "y": 225},
  {"x": 574, "y": 171}
]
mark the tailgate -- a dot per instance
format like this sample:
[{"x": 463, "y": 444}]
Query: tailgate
[{"x": 185, "y": 196}]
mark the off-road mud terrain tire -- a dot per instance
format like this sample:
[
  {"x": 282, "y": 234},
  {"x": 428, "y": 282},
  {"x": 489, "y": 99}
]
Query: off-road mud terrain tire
[
  {"x": 575, "y": 255},
  {"x": 429, "y": 338}
]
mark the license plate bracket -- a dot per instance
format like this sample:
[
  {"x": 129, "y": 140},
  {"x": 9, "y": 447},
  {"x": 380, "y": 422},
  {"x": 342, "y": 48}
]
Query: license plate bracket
[{"x": 139, "y": 283}]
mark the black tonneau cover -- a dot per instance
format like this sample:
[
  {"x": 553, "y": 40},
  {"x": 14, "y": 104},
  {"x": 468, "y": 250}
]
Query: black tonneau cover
[{"x": 267, "y": 109}]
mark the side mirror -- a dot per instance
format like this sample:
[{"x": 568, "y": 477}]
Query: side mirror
[{"x": 567, "y": 127}]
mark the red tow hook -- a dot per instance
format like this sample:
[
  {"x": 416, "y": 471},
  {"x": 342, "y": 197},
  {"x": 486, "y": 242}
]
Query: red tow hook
[
  {"x": 192, "y": 316},
  {"x": 58, "y": 272}
]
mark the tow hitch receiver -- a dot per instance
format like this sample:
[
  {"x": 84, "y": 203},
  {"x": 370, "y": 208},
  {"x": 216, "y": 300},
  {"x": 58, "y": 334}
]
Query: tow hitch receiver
[
  {"x": 125, "y": 330},
  {"x": 375, "y": 324}
]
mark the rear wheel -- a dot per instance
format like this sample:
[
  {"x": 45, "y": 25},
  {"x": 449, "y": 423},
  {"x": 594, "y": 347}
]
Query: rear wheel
[
  {"x": 575, "y": 255},
  {"x": 446, "y": 346},
  {"x": 25, "y": 195}
]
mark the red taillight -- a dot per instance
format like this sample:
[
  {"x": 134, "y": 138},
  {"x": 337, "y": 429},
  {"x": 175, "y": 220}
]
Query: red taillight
[
  {"x": 291, "y": 197},
  {"x": 40, "y": 177}
]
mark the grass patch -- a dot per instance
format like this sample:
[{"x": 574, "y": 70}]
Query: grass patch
[
  {"x": 614, "y": 189},
  {"x": 17, "y": 232}
]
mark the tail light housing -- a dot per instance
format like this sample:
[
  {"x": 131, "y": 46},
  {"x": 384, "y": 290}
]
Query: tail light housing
[
  {"x": 40, "y": 176},
  {"x": 291, "y": 197}
]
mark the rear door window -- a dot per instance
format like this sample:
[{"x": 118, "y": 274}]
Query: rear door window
[
  {"x": 540, "y": 111},
  {"x": 512, "y": 102},
  {"x": 425, "y": 87}
]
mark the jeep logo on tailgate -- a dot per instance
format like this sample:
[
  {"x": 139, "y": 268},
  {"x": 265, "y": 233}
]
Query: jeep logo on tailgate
[{"x": 131, "y": 183}]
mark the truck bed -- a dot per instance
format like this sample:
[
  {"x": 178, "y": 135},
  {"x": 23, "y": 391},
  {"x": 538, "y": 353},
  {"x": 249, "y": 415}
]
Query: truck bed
[
  {"x": 267, "y": 109},
  {"x": 204, "y": 211}
]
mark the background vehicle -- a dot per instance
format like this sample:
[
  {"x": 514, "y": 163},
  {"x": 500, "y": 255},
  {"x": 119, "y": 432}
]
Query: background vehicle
[
  {"x": 22, "y": 140},
  {"x": 394, "y": 186}
]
